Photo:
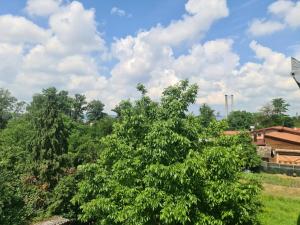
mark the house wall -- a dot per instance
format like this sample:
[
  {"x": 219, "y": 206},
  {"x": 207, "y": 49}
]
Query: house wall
[
  {"x": 278, "y": 144},
  {"x": 287, "y": 159}
]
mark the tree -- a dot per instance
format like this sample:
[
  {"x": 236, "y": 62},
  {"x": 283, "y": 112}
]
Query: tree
[
  {"x": 13, "y": 168},
  {"x": 79, "y": 106},
  {"x": 161, "y": 167},
  {"x": 240, "y": 120},
  {"x": 273, "y": 114},
  {"x": 207, "y": 115},
  {"x": 65, "y": 103},
  {"x": 280, "y": 106},
  {"x": 7, "y": 103},
  {"x": 95, "y": 111},
  {"x": 49, "y": 143}
]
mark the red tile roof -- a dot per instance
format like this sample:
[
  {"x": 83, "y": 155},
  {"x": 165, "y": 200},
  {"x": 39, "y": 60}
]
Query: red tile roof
[
  {"x": 284, "y": 136},
  {"x": 232, "y": 132},
  {"x": 281, "y": 129}
]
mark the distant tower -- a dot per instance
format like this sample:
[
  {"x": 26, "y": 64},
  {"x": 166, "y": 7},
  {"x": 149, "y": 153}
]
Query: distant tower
[
  {"x": 231, "y": 103},
  {"x": 226, "y": 106}
]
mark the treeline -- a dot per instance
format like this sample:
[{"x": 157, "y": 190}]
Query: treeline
[
  {"x": 154, "y": 163},
  {"x": 274, "y": 113}
]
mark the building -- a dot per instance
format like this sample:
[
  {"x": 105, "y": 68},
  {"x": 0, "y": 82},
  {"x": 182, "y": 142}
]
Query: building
[{"x": 278, "y": 144}]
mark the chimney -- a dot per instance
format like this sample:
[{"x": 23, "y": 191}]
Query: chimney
[
  {"x": 226, "y": 106},
  {"x": 231, "y": 103}
]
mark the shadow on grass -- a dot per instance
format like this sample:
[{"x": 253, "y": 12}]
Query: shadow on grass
[{"x": 298, "y": 220}]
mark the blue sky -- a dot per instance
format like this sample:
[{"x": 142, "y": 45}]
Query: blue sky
[{"x": 104, "y": 47}]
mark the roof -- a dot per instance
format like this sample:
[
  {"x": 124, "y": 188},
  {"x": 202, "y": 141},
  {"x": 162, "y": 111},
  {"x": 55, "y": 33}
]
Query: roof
[
  {"x": 281, "y": 129},
  {"x": 232, "y": 132},
  {"x": 284, "y": 136}
]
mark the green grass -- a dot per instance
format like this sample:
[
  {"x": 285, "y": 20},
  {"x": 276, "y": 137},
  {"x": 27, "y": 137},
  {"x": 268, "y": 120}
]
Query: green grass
[
  {"x": 280, "y": 198},
  {"x": 280, "y": 210}
]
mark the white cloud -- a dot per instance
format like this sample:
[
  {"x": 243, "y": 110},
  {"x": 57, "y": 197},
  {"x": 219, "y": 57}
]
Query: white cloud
[
  {"x": 285, "y": 13},
  {"x": 259, "y": 82},
  {"x": 68, "y": 55},
  {"x": 119, "y": 12},
  {"x": 42, "y": 7},
  {"x": 262, "y": 27},
  {"x": 16, "y": 29},
  {"x": 288, "y": 10},
  {"x": 75, "y": 28},
  {"x": 11, "y": 61}
]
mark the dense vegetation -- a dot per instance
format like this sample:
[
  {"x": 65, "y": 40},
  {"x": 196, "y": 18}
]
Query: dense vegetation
[
  {"x": 271, "y": 114},
  {"x": 154, "y": 163}
]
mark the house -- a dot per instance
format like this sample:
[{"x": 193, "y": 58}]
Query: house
[{"x": 278, "y": 144}]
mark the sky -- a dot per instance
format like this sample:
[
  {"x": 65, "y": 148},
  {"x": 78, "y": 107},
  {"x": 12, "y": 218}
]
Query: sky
[{"x": 103, "y": 49}]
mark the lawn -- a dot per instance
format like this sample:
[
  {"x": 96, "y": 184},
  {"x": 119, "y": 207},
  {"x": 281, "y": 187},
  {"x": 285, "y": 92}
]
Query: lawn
[{"x": 280, "y": 198}]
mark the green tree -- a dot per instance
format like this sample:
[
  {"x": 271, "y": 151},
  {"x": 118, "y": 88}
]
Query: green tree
[
  {"x": 207, "y": 115},
  {"x": 79, "y": 106},
  {"x": 65, "y": 103},
  {"x": 49, "y": 144},
  {"x": 160, "y": 166},
  {"x": 14, "y": 165},
  {"x": 274, "y": 114},
  {"x": 280, "y": 106},
  {"x": 95, "y": 111},
  {"x": 7, "y": 105},
  {"x": 240, "y": 120}
]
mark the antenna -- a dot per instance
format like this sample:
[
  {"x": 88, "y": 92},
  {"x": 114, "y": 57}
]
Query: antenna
[{"x": 295, "y": 73}]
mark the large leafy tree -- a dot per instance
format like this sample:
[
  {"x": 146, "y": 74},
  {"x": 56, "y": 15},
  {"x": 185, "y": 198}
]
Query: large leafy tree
[
  {"x": 95, "y": 111},
  {"x": 161, "y": 167},
  {"x": 240, "y": 120},
  {"x": 207, "y": 115},
  {"x": 49, "y": 144},
  {"x": 79, "y": 106},
  {"x": 274, "y": 114},
  {"x": 7, "y": 106}
]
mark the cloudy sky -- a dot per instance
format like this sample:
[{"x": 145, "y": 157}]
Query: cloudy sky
[{"x": 104, "y": 48}]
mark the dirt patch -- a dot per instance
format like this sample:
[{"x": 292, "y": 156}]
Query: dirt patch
[
  {"x": 56, "y": 220},
  {"x": 281, "y": 191}
]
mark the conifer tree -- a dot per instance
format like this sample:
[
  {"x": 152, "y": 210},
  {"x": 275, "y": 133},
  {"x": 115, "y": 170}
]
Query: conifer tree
[{"x": 49, "y": 144}]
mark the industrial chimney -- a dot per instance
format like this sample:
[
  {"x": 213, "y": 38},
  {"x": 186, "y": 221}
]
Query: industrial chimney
[
  {"x": 226, "y": 106},
  {"x": 231, "y": 103}
]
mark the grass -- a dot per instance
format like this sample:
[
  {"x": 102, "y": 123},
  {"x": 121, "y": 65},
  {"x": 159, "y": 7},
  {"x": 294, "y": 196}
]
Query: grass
[
  {"x": 280, "y": 198},
  {"x": 280, "y": 210}
]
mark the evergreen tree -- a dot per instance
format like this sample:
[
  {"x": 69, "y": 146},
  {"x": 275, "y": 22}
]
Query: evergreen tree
[{"x": 49, "y": 143}]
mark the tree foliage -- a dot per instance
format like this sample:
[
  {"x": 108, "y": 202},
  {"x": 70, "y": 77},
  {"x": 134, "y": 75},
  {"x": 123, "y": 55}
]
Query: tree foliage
[
  {"x": 95, "y": 111},
  {"x": 207, "y": 115},
  {"x": 274, "y": 114},
  {"x": 240, "y": 120},
  {"x": 79, "y": 106},
  {"x": 9, "y": 107},
  {"x": 161, "y": 166},
  {"x": 49, "y": 144}
]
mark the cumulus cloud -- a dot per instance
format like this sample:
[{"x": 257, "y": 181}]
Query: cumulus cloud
[
  {"x": 269, "y": 78},
  {"x": 17, "y": 29},
  {"x": 260, "y": 27},
  {"x": 119, "y": 12},
  {"x": 284, "y": 13},
  {"x": 288, "y": 10},
  {"x": 68, "y": 55},
  {"x": 42, "y": 7}
]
